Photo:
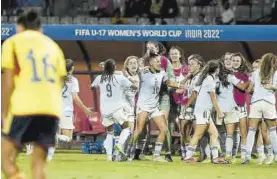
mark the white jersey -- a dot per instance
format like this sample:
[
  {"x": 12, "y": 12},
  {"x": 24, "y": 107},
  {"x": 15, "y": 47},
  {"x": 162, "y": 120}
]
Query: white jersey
[
  {"x": 70, "y": 87},
  {"x": 129, "y": 93},
  {"x": 191, "y": 84},
  {"x": 260, "y": 93},
  {"x": 226, "y": 99},
  {"x": 203, "y": 100},
  {"x": 111, "y": 93},
  {"x": 150, "y": 85}
]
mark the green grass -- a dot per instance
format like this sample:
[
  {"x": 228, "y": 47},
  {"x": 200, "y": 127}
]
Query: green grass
[{"x": 80, "y": 166}]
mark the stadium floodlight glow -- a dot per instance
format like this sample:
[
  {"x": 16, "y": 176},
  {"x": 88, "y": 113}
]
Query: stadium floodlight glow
[{"x": 153, "y": 32}]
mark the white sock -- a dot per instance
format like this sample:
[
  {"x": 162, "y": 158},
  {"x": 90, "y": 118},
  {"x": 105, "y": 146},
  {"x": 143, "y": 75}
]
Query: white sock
[
  {"x": 250, "y": 141},
  {"x": 108, "y": 143},
  {"x": 269, "y": 149},
  {"x": 158, "y": 148},
  {"x": 260, "y": 150},
  {"x": 229, "y": 145},
  {"x": 273, "y": 138},
  {"x": 243, "y": 149},
  {"x": 190, "y": 151},
  {"x": 208, "y": 150},
  {"x": 214, "y": 152},
  {"x": 51, "y": 152},
  {"x": 236, "y": 138},
  {"x": 63, "y": 138},
  {"x": 124, "y": 136}
]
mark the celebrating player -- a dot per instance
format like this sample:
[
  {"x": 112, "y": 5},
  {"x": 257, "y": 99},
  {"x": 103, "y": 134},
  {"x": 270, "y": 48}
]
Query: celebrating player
[
  {"x": 196, "y": 63},
  {"x": 225, "y": 96},
  {"x": 112, "y": 105},
  {"x": 206, "y": 100},
  {"x": 69, "y": 94},
  {"x": 263, "y": 104},
  {"x": 33, "y": 68},
  {"x": 148, "y": 103}
]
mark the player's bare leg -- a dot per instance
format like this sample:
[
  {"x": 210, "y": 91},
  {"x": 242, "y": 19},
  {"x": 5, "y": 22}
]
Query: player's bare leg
[
  {"x": 141, "y": 120},
  {"x": 243, "y": 134},
  {"x": 8, "y": 159},
  {"x": 183, "y": 130},
  {"x": 236, "y": 137},
  {"x": 168, "y": 137},
  {"x": 38, "y": 162},
  {"x": 163, "y": 128},
  {"x": 124, "y": 135}
]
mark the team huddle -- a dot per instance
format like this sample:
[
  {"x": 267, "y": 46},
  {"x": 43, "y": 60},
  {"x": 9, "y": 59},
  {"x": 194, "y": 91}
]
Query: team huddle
[{"x": 210, "y": 101}]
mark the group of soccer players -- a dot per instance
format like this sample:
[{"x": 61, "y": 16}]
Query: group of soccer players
[{"x": 209, "y": 101}]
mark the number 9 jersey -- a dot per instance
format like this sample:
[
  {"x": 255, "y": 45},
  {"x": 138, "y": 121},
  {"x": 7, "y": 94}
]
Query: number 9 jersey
[{"x": 39, "y": 67}]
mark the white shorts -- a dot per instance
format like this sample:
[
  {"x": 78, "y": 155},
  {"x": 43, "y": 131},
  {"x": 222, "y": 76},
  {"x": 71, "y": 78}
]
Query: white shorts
[
  {"x": 130, "y": 112},
  {"x": 186, "y": 115},
  {"x": 229, "y": 118},
  {"x": 241, "y": 112},
  {"x": 262, "y": 109},
  {"x": 153, "y": 112},
  {"x": 118, "y": 116},
  {"x": 66, "y": 122},
  {"x": 203, "y": 117}
]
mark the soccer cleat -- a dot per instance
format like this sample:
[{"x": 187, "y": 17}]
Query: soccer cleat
[
  {"x": 119, "y": 148},
  {"x": 49, "y": 158},
  {"x": 261, "y": 159},
  {"x": 109, "y": 158},
  {"x": 219, "y": 160},
  {"x": 229, "y": 159},
  {"x": 168, "y": 158},
  {"x": 190, "y": 160},
  {"x": 137, "y": 154},
  {"x": 245, "y": 161},
  {"x": 158, "y": 158},
  {"x": 269, "y": 159}
]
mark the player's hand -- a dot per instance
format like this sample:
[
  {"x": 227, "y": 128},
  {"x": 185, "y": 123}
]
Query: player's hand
[
  {"x": 220, "y": 115},
  {"x": 88, "y": 112},
  {"x": 180, "y": 91},
  {"x": 268, "y": 86}
]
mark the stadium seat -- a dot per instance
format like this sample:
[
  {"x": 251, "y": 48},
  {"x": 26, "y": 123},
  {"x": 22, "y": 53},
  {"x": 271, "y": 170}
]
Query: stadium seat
[
  {"x": 268, "y": 2},
  {"x": 79, "y": 20},
  {"x": 184, "y": 11},
  {"x": 218, "y": 11},
  {"x": 54, "y": 20},
  {"x": 143, "y": 21},
  {"x": 209, "y": 11},
  {"x": 267, "y": 10},
  {"x": 195, "y": 11},
  {"x": 44, "y": 20},
  {"x": 4, "y": 19},
  {"x": 181, "y": 21},
  {"x": 242, "y": 13},
  {"x": 257, "y": 2},
  {"x": 66, "y": 20},
  {"x": 169, "y": 20},
  {"x": 132, "y": 20},
  {"x": 104, "y": 21},
  {"x": 91, "y": 20},
  {"x": 256, "y": 12},
  {"x": 12, "y": 19},
  {"x": 192, "y": 2},
  {"x": 182, "y": 2}
]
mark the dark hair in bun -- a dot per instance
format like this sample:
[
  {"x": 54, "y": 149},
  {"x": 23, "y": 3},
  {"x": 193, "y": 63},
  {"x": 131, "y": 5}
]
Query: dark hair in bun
[{"x": 30, "y": 20}]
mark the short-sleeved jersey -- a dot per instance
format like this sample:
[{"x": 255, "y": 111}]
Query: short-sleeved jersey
[
  {"x": 180, "y": 73},
  {"x": 71, "y": 86},
  {"x": 225, "y": 97},
  {"x": 39, "y": 65},
  {"x": 260, "y": 93},
  {"x": 240, "y": 95},
  {"x": 111, "y": 93},
  {"x": 150, "y": 85},
  {"x": 129, "y": 93},
  {"x": 203, "y": 100}
]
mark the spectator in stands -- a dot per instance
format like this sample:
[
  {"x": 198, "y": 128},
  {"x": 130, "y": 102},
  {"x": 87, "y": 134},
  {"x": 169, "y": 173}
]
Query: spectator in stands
[
  {"x": 201, "y": 19},
  {"x": 169, "y": 9},
  {"x": 228, "y": 15},
  {"x": 135, "y": 8},
  {"x": 105, "y": 8},
  {"x": 117, "y": 18},
  {"x": 154, "y": 8}
]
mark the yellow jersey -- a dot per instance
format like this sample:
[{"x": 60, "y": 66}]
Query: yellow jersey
[{"x": 39, "y": 66}]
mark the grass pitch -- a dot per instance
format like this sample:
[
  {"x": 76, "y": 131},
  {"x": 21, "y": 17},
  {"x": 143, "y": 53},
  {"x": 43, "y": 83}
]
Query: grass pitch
[{"x": 73, "y": 165}]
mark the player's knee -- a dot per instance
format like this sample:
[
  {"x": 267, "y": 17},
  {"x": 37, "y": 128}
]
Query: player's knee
[{"x": 164, "y": 130}]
